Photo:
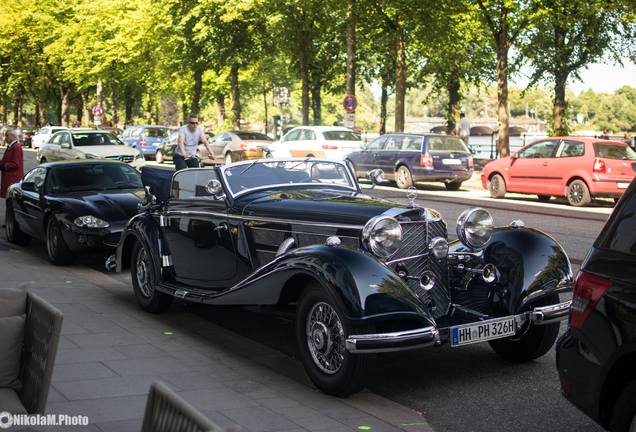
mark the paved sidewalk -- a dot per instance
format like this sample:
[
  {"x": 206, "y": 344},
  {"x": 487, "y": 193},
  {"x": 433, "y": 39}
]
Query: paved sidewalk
[{"x": 111, "y": 351}]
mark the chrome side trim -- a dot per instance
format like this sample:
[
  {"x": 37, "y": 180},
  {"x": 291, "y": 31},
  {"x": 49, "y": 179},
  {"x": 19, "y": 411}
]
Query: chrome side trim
[
  {"x": 408, "y": 258},
  {"x": 550, "y": 314},
  {"x": 302, "y": 232},
  {"x": 163, "y": 221},
  {"x": 166, "y": 260},
  {"x": 395, "y": 341},
  {"x": 261, "y": 219},
  {"x": 285, "y": 246},
  {"x": 564, "y": 285}
]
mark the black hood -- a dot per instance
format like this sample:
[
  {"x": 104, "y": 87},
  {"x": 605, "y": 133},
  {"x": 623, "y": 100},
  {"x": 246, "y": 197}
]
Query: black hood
[
  {"x": 111, "y": 205},
  {"x": 320, "y": 205}
]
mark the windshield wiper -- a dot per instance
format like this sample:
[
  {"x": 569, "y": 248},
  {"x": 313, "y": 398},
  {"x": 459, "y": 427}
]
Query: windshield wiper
[{"x": 248, "y": 167}]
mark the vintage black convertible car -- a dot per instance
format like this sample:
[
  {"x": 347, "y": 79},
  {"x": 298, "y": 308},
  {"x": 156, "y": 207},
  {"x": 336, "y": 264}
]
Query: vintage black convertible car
[
  {"x": 73, "y": 206},
  {"x": 363, "y": 275}
]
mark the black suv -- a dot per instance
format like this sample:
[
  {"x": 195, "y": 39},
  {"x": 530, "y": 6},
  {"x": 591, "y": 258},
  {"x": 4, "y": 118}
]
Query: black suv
[{"x": 596, "y": 357}]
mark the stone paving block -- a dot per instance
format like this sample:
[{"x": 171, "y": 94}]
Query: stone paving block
[
  {"x": 120, "y": 426},
  {"x": 251, "y": 389},
  {"x": 104, "y": 409},
  {"x": 292, "y": 412},
  {"x": 105, "y": 339},
  {"x": 217, "y": 399},
  {"x": 80, "y": 371},
  {"x": 259, "y": 419},
  {"x": 318, "y": 422},
  {"x": 70, "y": 328},
  {"x": 139, "y": 351},
  {"x": 191, "y": 380},
  {"x": 106, "y": 387},
  {"x": 65, "y": 342},
  {"x": 143, "y": 366},
  {"x": 83, "y": 355}
]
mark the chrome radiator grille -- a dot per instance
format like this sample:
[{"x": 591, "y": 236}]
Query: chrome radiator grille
[
  {"x": 416, "y": 237},
  {"x": 121, "y": 158}
]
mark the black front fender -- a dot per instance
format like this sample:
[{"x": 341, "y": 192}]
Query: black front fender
[
  {"x": 366, "y": 287},
  {"x": 141, "y": 228}
]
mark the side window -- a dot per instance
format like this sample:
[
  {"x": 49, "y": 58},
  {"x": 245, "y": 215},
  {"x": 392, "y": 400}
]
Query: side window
[
  {"x": 543, "y": 149},
  {"x": 394, "y": 142},
  {"x": 412, "y": 143},
  {"x": 192, "y": 184},
  {"x": 65, "y": 139},
  {"x": 226, "y": 137},
  {"x": 293, "y": 135},
  {"x": 45, "y": 130},
  {"x": 621, "y": 235},
  {"x": 55, "y": 139},
  {"x": 378, "y": 143},
  {"x": 125, "y": 133},
  {"x": 135, "y": 133},
  {"x": 308, "y": 135},
  {"x": 570, "y": 149}
]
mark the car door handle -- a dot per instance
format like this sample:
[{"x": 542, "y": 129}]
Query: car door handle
[
  {"x": 221, "y": 227},
  {"x": 545, "y": 163}
]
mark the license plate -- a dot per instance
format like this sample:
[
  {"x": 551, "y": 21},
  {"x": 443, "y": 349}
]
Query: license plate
[
  {"x": 622, "y": 185},
  {"x": 451, "y": 161},
  {"x": 483, "y": 331}
]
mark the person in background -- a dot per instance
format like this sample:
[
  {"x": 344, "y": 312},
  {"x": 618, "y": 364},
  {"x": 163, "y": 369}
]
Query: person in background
[
  {"x": 605, "y": 134},
  {"x": 12, "y": 164},
  {"x": 463, "y": 128},
  {"x": 190, "y": 136}
]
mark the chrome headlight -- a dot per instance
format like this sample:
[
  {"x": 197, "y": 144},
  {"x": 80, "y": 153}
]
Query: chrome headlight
[
  {"x": 474, "y": 227},
  {"x": 90, "y": 222},
  {"x": 382, "y": 235}
]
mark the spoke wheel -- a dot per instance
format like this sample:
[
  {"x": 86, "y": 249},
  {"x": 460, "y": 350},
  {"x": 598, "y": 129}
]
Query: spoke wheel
[
  {"x": 321, "y": 332},
  {"x": 325, "y": 338},
  {"x": 578, "y": 194},
  {"x": 144, "y": 281},
  {"x": 403, "y": 177}
]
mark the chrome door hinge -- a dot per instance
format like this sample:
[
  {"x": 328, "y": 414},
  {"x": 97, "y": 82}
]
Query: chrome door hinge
[{"x": 166, "y": 260}]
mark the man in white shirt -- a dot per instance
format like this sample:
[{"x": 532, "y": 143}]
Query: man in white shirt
[
  {"x": 464, "y": 128},
  {"x": 190, "y": 136}
]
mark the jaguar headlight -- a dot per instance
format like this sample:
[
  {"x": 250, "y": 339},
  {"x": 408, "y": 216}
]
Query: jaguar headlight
[
  {"x": 90, "y": 222},
  {"x": 382, "y": 235},
  {"x": 474, "y": 227}
]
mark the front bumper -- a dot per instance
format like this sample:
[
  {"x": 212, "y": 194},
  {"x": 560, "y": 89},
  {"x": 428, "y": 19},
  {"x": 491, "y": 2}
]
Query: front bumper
[
  {"x": 78, "y": 240},
  {"x": 432, "y": 336}
]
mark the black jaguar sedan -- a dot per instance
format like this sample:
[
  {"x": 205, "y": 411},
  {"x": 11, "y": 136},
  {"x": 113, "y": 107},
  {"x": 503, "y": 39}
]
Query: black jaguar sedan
[
  {"x": 73, "y": 206},
  {"x": 596, "y": 357}
]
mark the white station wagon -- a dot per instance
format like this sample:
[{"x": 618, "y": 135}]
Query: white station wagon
[
  {"x": 88, "y": 144},
  {"x": 330, "y": 142}
]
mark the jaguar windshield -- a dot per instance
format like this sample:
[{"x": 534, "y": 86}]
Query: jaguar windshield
[{"x": 248, "y": 176}]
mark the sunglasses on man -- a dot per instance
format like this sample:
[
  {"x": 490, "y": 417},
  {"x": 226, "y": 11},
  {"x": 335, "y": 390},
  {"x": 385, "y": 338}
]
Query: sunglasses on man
[{"x": 194, "y": 123}]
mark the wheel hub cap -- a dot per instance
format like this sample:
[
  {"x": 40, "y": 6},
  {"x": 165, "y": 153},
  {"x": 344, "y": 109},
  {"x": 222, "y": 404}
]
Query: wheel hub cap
[{"x": 325, "y": 338}]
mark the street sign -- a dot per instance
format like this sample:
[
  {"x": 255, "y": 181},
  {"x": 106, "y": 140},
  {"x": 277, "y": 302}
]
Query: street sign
[
  {"x": 350, "y": 103},
  {"x": 98, "y": 111},
  {"x": 281, "y": 96},
  {"x": 97, "y": 120},
  {"x": 349, "y": 120}
]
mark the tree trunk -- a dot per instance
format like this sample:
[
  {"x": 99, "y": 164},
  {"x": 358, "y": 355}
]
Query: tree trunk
[
  {"x": 36, "y": 116},
  {"x": 129, "y": 104},
  {"x": 64, "y": 106},
  {"x": 149, "y": 105},
  {"x": 113, "y": 103},
  {"x": 453, "y": 87},
  {"x": 384, "y": 98},
  {"x": 351, "y": 49},
  {"x": 265, "y": 106},
  {"x": 16, "y": 110},
  {"x": 86, "y": 112},
  {"x": 304, "y": 84},
  {"x": 5, "y": 110},
  {"x": 236, "y": 97},
  {"x": 559, "y": 124},
  {"x": 196, "y": 91},
  {"x": 316, "y": 103},
  {"x": 41, "y": 110},
  {"x": 503, "y": 121},
  {"x": 400, "y": 80},
  {"x": 220, "y": 110}
]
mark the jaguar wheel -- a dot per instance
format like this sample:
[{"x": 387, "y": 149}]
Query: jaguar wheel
[
  {"x": 159, "y": 157},
  {"x": 144, "y": 282},
  {"x": 57, "y": 249},
  {"x": 532, "y": 342},
  {"x": 403, "y": 177},
  {"x": 14, "y": 234},
  {"x": 578, "y": 194},
  {"x": 321, "y": 332},
  {"x": 497, "y": 186}
]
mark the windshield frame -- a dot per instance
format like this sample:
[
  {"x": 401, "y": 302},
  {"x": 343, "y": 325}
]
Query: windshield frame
[{"x": 350, "y": 177}]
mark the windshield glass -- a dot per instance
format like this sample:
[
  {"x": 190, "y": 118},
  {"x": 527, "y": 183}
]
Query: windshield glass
[
  {"x": 614, "y": 151},
  {"x": 156, "y": 132},
  {"x": 264, "y": 174},
  {"x": 253, "y": 136},
  {"x": 447, "y": 143},
  {"x": 95, "y": 138},
  {"x": 89, "y": 177},
  {"x": 340, "y": 136}
]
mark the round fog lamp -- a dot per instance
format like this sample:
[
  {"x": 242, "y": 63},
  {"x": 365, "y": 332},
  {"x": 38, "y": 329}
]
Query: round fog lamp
[{"x": 439, "y": 247}]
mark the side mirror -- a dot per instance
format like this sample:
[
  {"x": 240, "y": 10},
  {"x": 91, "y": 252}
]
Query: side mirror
[
  {"x": 376, "y": 176},
  {"x": 215, "y": 189},
  {"x": 29, "y": 187},
  {"x": 514, "y": 156}
]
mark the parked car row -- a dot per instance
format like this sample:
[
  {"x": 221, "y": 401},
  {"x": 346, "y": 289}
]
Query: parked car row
[{"x": 362, "y": 275}]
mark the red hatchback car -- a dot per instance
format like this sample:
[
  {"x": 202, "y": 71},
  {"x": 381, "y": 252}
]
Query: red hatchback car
[{"x": 578, "y": 168}]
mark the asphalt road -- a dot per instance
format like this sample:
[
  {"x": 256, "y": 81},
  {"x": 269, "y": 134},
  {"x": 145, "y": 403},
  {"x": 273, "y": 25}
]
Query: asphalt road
[{"x": 456, "y": 389}]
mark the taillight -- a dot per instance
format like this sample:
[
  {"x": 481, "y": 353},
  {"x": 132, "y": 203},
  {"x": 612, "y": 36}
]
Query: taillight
[
  {"x": 426, "y": 159},
  {"x": 143, "y": 142},
  {"x": 599, "y": 166},
  {"x": 243, "y": 146},
  {"x": 588, "y": 290},
  {"x": 471, "y": 162},
  {"x": 329, "y": 147}
]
